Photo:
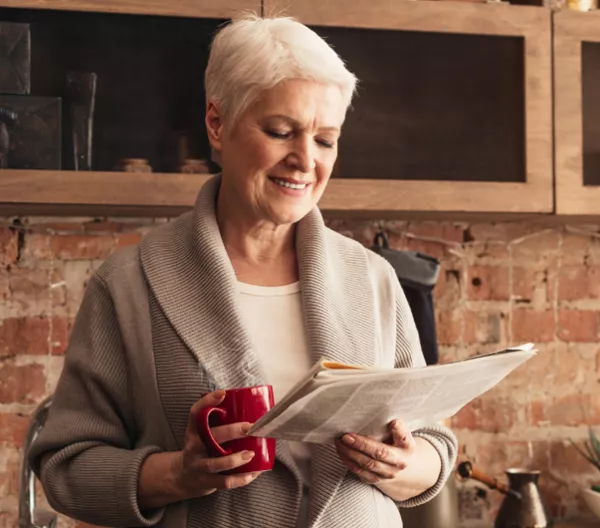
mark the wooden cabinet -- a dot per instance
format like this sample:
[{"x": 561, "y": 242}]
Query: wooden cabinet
[
  {"x": 577, "y": 112},
  {"x": 181, "y": 8},
  {"x": 453, "y": 114},
  {"x": 454, "y": 109}
]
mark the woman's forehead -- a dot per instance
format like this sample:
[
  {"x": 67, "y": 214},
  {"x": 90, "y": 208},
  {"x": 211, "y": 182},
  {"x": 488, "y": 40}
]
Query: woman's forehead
[{"x": 299, "y": 101}]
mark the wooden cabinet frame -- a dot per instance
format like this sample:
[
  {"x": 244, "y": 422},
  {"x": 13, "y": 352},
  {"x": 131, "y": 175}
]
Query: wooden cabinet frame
[
  {"x": 180, "y": 8},
  {"x": 62, "y": 192},
  {"x": 571, "y": 29}
]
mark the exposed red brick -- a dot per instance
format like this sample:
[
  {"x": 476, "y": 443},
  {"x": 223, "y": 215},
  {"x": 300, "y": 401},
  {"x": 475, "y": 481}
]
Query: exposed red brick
[
  {"x": 487, "y": 414},
  {"x": 505, "y": 232},
  {"x": 537, "y": 249},
  {"x": 31, "y": 289},
  {"x": 455, "y": 327},
  {"x": 537, "y": 374},
  {"x": 69, "y": 246},
  {"x": 447, "y": 292},
  {"x": 576, "y": 368},
  {"x": 13, "y": 428},
  {"x": 575, "y": 248},
  {"x": 578, "y": 325},
  {"x": 9, "y": 474},
  {"x": 484, "y": 327},
  {"x": 574, "y": 409},
  {"x": 445, "y": 231},
  {"x": 21, "y": 383},
  {"x": 488, "y": 283},
  {"x": 61, "y": 331},
  {"x": 486, "y": 252},
  {"x": 578, "y": 282},
  {"x": 537, "y": 412},
  {"x": 566, "y": 459},
  {"x": 9, "y": 246},
  {"x": 24, "y": 335},
  {"x": 127, "y": 239},
  {"x": 103, "y": 227},
  {"x": 531, "y": 325},
  {"x": 523, "y": 283},
  {"x": 34, "y": 335}
]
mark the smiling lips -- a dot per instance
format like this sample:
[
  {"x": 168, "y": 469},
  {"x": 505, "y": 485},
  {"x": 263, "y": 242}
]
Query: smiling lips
[{"x": 289, "y": 183}]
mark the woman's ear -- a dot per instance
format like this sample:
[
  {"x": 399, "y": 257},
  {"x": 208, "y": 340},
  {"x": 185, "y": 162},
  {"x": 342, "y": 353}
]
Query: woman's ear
[{"x": 214, "y": 126}]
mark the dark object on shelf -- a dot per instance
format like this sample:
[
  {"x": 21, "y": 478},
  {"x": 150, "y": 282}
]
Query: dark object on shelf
[
  {"x": 133, "y": 165},
  {"x": 81, "y": 97},
  {"x": 15, "y": 58},
  {"x": 418, "y": 274},
  {"x": 35, "y": 139},
  {"x": 7, "y": 118}
]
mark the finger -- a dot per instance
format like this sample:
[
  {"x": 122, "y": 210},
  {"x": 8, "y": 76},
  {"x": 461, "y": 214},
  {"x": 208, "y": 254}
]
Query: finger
[
  {"x": 212, "y": 398},
  {"x": 225, "y": 463},
  {"x": 362, "y": 473},
  {"x": 235, "y": 481},
  {"x": 401, "y": 435},
  {"x": 374, "y": 449},
  {"x": 225, "y": 433},
  {"x": 364, "y": 464},
  {"x": 192, "y": 436}
]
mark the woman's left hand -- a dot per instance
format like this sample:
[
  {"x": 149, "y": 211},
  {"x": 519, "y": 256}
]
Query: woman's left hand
[{"x": 374, "y": 461}]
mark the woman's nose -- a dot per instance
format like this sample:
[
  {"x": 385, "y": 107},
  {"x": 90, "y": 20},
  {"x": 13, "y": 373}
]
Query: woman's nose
[{"x": 302, "y": 157}]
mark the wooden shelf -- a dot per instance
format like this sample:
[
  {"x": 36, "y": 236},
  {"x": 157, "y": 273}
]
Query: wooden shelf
[
  {"x": 182, "y": 8},
  {"x": 64, "y": 193}
]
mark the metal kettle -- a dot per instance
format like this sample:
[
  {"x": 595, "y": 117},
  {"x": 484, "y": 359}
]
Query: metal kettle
[{"x": 523, "y": 505}]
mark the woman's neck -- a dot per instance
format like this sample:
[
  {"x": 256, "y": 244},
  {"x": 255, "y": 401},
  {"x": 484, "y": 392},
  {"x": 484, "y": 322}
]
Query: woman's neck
[{"x": 261, "y": 253}]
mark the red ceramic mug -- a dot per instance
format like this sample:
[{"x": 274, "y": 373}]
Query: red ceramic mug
[{"x": 239, "y": 405}]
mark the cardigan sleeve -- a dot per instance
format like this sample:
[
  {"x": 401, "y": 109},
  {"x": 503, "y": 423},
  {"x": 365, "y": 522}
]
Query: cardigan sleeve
[
  {"x": 409, "y": 354},
  {"x": 85, "y": 455}
]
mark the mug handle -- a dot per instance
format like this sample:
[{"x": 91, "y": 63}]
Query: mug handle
[{"x": 204, "y": 431}]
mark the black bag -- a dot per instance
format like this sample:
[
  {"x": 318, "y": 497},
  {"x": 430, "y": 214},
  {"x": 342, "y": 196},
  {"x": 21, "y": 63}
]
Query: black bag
[{"x": 418, "y": 273}]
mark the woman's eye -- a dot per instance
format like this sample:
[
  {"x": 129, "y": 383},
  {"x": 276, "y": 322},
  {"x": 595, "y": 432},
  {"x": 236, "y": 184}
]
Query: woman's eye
[
  {"x": 278, "y": 135},
  {"x": 325, "y": 143}
]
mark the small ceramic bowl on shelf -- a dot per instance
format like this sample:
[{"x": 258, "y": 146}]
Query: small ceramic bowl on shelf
[{"x": 592, "y": 499}]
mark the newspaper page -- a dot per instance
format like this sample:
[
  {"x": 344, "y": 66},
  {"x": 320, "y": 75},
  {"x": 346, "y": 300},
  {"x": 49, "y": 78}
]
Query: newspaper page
[{"x": 333, "y": 402}]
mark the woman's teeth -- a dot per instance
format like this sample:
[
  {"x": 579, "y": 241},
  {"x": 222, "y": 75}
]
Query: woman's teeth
[{"x": 289, "y": 185}]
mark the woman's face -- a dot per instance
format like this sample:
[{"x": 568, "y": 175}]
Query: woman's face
[{"x": 279, "y": 155}]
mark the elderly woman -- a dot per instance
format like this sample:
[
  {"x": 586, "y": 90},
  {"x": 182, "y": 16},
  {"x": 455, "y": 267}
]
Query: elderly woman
[{"x": 248, "y": 288}]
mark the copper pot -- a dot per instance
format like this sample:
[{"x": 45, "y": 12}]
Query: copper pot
[{"x": 523, "y": 505}]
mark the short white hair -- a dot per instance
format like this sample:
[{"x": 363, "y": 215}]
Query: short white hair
[{"x": 252, "y": 54}]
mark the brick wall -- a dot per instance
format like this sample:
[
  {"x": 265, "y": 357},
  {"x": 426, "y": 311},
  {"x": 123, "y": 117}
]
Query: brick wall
[{"x": 500, "y": 284}]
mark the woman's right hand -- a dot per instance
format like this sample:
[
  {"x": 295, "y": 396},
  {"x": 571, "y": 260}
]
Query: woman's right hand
[
  {"x": 166, "y": 478},
  {"x": 197, "y": 474}
]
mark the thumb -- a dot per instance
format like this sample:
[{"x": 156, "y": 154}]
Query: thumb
[{"x": 401, "y": 435}]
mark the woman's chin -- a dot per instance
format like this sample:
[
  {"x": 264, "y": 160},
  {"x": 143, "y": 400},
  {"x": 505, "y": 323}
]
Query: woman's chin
[{"x": 289, "y": 215}]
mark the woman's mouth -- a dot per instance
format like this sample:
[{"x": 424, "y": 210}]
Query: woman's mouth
[{"x": 290, "y": 184}]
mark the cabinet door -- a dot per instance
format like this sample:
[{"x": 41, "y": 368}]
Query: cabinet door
[
  {"x": 577, "y": 112},
  {"x": 182, "y": 8},
  {"x": 454, "y": 104}
]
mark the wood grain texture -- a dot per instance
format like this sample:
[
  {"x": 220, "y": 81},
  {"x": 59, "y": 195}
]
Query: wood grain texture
[
  {"x": 181, "y": 8},
  {"x": 423, "y": 15},
  {"x": 570, "y": 30},
  {"x": 142, "y": 193}
]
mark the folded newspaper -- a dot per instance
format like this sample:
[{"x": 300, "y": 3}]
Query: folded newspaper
[{"x": 333, "y": 399}]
